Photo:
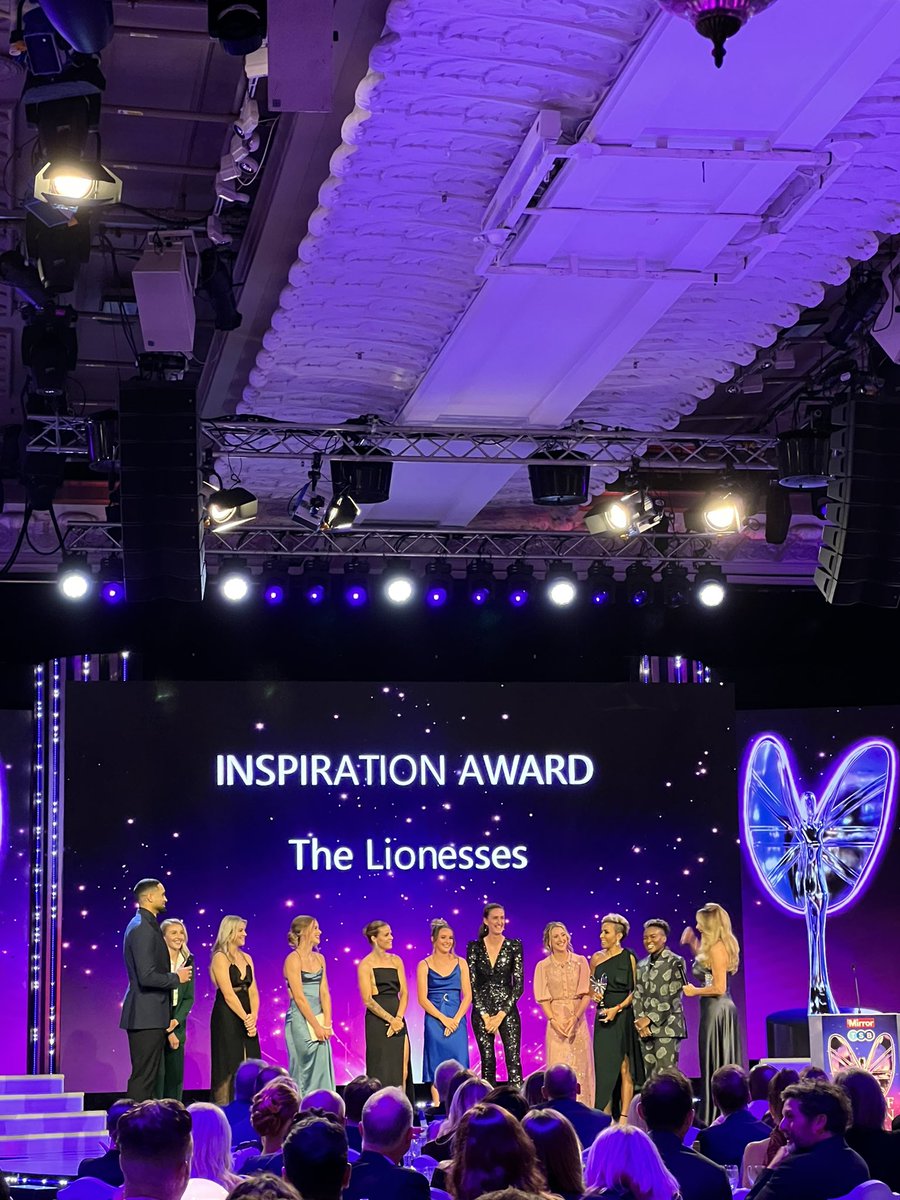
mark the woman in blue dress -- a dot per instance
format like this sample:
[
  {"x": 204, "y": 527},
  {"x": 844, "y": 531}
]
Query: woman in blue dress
[
  {"x": 307, "y": 1025},
  {"x": 445, "y": 993}
]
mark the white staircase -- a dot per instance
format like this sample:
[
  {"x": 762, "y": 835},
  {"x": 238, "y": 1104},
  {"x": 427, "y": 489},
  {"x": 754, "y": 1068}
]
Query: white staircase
[{"x": 44, "y": 1130}]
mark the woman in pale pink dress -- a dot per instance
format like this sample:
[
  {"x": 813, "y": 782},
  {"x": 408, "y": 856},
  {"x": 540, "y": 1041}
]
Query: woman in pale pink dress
[{"x": 562, "y": 989}]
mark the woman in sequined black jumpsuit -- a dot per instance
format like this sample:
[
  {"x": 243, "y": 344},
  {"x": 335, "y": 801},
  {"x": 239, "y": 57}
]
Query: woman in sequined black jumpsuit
[{"x": 497, "y": 970}]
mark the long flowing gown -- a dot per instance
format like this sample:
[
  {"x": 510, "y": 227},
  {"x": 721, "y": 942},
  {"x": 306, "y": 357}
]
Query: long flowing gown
[
  {"x": 445, "y": 993},
  {"x": 385, "y": 1055},
  {"x": 309, "y": 1060},
  {"x": 617, "y": 1039},
  {"x": 562, "y": 985},
  {"x": 229, "y": 1043},
  {"x": 719, "y": 1039}
]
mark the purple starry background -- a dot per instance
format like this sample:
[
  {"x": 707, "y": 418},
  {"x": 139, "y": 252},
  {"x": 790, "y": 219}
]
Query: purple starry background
[
  {"x": 653, "y": 834},
  {"x": 15, "y": 830},
  {"x": 775, "y": 945}
]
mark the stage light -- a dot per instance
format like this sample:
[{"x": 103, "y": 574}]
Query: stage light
[
  {"x": 275, "y": 585},
  {"x": 76, "y": 184},
  {"x": 314, "y": 582},
  {"x": 356, "y": 591},
  {"x": 634, "y": 513},
  {"x": 561, "y": 484},
  {"x": 723, "y": 511},
  {"x": 340, "y": 513},
  {"x": 235, "y": 581},
  {"x": 480, "y": 581},
  {"x": 676, "y": 587},
  {"x": 240, "y": 27},
  {"x": 367, "y": 478},
  {"x": 438, "y": 583},
  {"x": 229, "y": 507},
  {"x": 399, "y": 583},
  {"x": 602, "y": 583},
  {"x": 710, "y": 586},
  {"x": 518, "y": 583},
  {"x": 74, "y": 579},
  {"x": 112, "y": 586},
  {"x": 562, "y": 586},
  {"x": 639, "y": 585}
]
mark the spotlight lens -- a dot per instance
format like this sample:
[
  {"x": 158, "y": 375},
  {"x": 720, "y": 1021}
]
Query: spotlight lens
[
  {"x": 480, "y": 595},
  {"x": 235, "y": 588},
  {"x": 617, "y": 517},
  {"x": 315, "y": 593},
  {"x": 356, "y": 595},
  {"x": 274, "y": 594},
  {"x": 399, "y": 591},
  {"x": 561, "y": 592},
  {"x": 600, "y": 596},
  {"x": 113, "y": 591},
  {"x": 640, "y": 598},
  {"x": 711, "y": 593},
  {"x": 723, "y": 517},
  {"x": 71, "y": 186},
  {"x": 74, "y": 585},
  {"x": 436, "y": 595},
  {"x": 220, "y": 512},
  {"x": 518, "y": 596}
]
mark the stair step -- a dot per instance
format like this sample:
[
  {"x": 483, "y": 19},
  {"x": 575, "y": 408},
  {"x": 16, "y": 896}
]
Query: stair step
[
  {"x": 40, "y": 1102},
  {"x": 50, "y": 1147},
  {"x": 65, "y": 1123},
  {"x": 18, "y": 1085}
]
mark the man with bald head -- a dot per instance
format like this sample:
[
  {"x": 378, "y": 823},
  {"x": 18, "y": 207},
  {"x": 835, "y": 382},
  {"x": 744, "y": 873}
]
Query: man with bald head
[
  {"x": 560, "y": 1092},
  {"x": 324, "y": 1100},
  {"x": 387, "y": 1131}
]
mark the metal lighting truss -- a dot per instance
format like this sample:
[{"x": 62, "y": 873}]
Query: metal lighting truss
[{"x": 251, "y": 438}]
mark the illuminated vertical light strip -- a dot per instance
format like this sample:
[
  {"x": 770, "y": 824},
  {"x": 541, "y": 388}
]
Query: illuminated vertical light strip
[
  {"x": 124, "y": 669},
  {"x": 86, "y": 668},
  {"x": 54, "y": 859},
  {"x": 37, "y": 873}
]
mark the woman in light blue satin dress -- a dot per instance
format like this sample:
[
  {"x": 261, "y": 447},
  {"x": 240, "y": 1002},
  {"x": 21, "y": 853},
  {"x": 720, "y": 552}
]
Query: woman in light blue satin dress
[
  {"x": 307, "y": 1026},
  {"x": 445, "y": 993}
]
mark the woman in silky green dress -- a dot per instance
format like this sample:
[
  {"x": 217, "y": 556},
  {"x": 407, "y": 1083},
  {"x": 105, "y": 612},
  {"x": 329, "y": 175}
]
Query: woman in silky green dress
[{"x": 618, "y": 1063}]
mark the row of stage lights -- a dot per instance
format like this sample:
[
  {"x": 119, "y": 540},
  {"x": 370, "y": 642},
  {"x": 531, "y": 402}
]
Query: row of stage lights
[{"x": 399, "y": 584}]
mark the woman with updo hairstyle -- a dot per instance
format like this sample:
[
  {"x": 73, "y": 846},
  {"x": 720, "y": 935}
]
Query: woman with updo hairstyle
[
  {"x": 445, "y": 993},
  {"x": 307, "y": 1023},
  {"x": 271, "y": 1114},
  {"x": 558, "y": 1151},
  {"x": 618, "y": 1062},
  {"x": 382, "y": 986},
  {"x": 492, "y": 1151},
  {"x": 497, "y": 969}
]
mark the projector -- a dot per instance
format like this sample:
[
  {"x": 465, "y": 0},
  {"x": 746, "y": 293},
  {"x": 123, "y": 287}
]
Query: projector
[{"x": 165, "y": 298}]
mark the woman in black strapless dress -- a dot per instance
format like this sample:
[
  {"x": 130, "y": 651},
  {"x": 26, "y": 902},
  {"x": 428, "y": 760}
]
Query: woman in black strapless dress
[
  {"x": 232, "y": 1025},
  {"x": 382, "y": 985}
]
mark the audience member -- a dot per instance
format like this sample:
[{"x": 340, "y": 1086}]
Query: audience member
[
  {"x": 760, "y": 1077},
  {"x": 443, "y": 1073},
  {"x": 212, "y": 1146},
  {"x": 324, "y": 1100},
  {"x": 4, "y": 1187},
  {"x": 155, "y": 1150},
  {"x": 560, "y": 1091},
  {"x": 512, "y": 1194},
  {"x": 263, "y": 1187},
  {"x": 816, "y": 1163},
  {"x": 106, "y": 1166},
  {"x": 270, "y": 1071},
  {"x": 623, "y": 1164},
  {"x": 508, "y": 1097},
  {"x": 758, "y": 1155},
  {"x": 274, "y": 1108},
  {"x": 726, "y": 1141},
  {"x": 667, "y": 1106},
  {"x": 237, "y": 1113},
  {"x": 387, "y": 1131},
  {"x": 356, "y": 1093},
  {"x": 533, "y": 1088},
  {"x": 315, "y": 1157},
  {"x": 471, "y": 1092},
  {"x": 491, "y": 1152},
  {"x": 866, "y": 1134},
  {"x": 779, "y": 1081},
  {"x": 634, "y": 1116},
  {"x": 558, "y": 1150},
  {"x": 813, "y": 1074}
]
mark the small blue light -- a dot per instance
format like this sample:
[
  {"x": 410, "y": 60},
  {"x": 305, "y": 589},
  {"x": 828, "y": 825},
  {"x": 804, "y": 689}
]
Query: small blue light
[
  {"x": 436, "y": 596},
  {"x": 600, "y": 596},
  {"x": 356, "y": 595},
  {"x": 640, "y": 598},
  {"x": 480, "y": 595},
  {"x": 274, "y": 594},
  {"x": 518, "y": 596},
  {"x": 315, "y": 593},
  {"x": 113, "y": 591}
]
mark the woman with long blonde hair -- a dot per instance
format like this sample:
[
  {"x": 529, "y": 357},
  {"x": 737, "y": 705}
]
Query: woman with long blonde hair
[
  {"x": 232, "y": 1027},
  {"x": 716, "y": 956},
  {"x": 623, "y": 1162},
  {"x": 307, "y": 1023},
  {"x": 212, "y": 1146}
]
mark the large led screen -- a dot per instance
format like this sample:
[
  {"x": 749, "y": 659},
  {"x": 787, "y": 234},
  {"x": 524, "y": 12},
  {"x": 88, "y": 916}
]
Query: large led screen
[{"x": 15, "y": 865}]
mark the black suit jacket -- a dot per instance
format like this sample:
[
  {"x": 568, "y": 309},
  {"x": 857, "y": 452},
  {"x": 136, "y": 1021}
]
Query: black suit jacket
[
  {"x": 725, "y": 1143},
  {"x": 588, "y": 1122},
  {"x": 698, "y": 1178},
  {"x": 106, "y": 1167},
  {"x": 374, "y": 1177},
  {"x": 148, "y": 1001},
  {"x": 880, "y": 1151},
  {"x": 829, "y": 1170}
]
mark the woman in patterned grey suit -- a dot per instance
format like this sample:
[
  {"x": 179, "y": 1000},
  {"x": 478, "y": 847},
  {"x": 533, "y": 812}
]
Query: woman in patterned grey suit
[{"x": 658, "y": 1011}]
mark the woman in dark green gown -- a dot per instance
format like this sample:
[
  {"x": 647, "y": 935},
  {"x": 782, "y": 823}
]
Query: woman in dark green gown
[{"x": 618, "y": 1063}]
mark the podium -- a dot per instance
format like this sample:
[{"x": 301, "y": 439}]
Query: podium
[{"x": 862, "y": 1039}]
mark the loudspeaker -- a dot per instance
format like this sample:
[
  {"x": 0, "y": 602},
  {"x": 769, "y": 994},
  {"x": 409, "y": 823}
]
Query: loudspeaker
[
  {"x": 161, "y": 506},
  {"x": 859, "y": 559}
]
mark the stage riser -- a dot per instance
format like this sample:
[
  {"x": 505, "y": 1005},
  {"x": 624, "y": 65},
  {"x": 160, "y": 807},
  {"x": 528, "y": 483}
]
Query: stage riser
[
  {"x": 49, "y": 1147},
  {"x": 64, "y": 1123},
  {"x": 20, "y": 1085},
  {"x": 40, "y": 1102}
]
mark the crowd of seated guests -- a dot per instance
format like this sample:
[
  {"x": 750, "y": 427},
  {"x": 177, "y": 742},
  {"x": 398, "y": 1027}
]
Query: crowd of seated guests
[{"x": 818, "y": 1141}]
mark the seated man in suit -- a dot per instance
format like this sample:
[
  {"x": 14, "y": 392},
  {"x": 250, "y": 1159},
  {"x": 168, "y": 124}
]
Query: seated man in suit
[
  {"x": 106, "y": 1166},
  {"x": 560, "y": 1091},
  {"x": 356, "y": 1093},
  {"x": 726, "y": 1141},
  {"x": 237, "y": 1113},
  {"x": 387, "y": 1131},
  {"x": 817, "y": 1163},
  {"x": 667, "y": 1106},
  {"x": 315, "y": 1156}
]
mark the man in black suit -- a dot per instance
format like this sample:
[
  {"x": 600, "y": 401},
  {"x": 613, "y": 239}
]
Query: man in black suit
[
  {"x": 315, "y": 1156},
  {"x": 726, "y": 1141},
  {"x": 387, "y": 1131},
  {"x": 106, "y": 1166},
  {"x": 560, "y": 1092},
  {"x": 817, "y": 1163},
  {"x": 667, "y": 1106},
  {"x": 145, "y": 1009}
]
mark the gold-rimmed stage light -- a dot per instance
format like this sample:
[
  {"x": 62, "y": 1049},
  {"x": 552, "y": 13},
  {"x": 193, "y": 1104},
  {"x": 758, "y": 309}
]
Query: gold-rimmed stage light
[
  {"x": 77, "y": 184},
  {"x": 634, "y": 513},
  {"x": 724, "y": 510},
  {"x": 227, "y": 508}
]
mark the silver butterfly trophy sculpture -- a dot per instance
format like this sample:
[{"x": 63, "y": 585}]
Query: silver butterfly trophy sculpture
[{"x": 814, "y": 855}]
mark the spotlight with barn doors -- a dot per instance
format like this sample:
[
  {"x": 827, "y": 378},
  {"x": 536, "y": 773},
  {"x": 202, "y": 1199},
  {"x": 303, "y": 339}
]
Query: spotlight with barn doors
[
  {"x": 627, "y": 516},
  {"x": 519, "y": 579},
  {"x": 340, "y": 513},
  {"x": 639, "y": 585},
  {"x": 235, "y": 581},
  {"x": 561, "y": 584},
  {"x": 601, "y": 581},
  {"x": 480, "y": 581},
  {"x": 356, "y": 589},
  {"x": 77, "y": 184},
  {"x": 74, "y": 579},
  {"x": 228, "y": 508},
  {"x": 438, "y": 582},
  {"x": 399, "y": 583},
  {"x": 710, "y": 586}
]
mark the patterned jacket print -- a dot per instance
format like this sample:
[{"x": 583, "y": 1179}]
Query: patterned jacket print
[{"x": 657, "y": 994}]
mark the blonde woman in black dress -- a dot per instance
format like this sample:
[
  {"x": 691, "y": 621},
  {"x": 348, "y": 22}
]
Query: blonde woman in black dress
[
  {"x": 618, "y": 1063},
  {"x": 382, "y": 986},
  {"x": 232, "y": 1026}
]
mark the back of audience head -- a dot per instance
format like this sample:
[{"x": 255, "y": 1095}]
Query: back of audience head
[
  {"x": 492, "y": 1151},
  {"x": 824, "y": 1108},
  {"x": 533, "y": 1088},
  {"x": 760, "y": 1077},
  {"x": 356, "y": 1093},
  {"x": 123, "y": 1105},
  {"x": 779, "y": 1081},
  {"x": 387, "y": 1123},
  {"x": 730, "y": 1089},
  {"x": 264, "y": 1186},
  {"x": 667, "y": 1102},
  {"x": 315, "y": 1156},
  {"x": 508, "y": 1097},
  {"x": 324, "y": 1100},
  {"x": 625, "y": 1158},
  {"x": 471, "y": 1092},
  {"x": 273, "y": 1109},
  {"x": 813, "y": 1074},
  {"x": 155, "y": 1148},
  {"x": 246, "y": 1079},
  {"x": 268, "y": 1072},
  {"x": 456, "y": 1082},
  {"x": 558, "y": 1150},
  {"x": 212, "y": 1145},
  {"x": 560, "y": 1083},
  {"x": 443, "y": 1073},
  {"x": 866, "y": 1097},
  {"x": 513, "y": 1194}
]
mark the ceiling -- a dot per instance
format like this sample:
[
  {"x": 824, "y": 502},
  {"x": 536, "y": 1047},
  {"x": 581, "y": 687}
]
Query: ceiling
[{"x": 684, "y": 222}]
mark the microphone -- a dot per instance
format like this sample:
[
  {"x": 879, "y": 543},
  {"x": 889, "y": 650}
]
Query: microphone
[{"x": 856, "y": 984}]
